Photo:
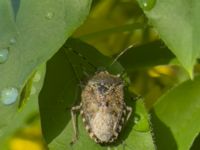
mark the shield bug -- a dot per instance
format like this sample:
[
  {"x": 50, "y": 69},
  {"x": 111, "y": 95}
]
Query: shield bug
[{"x": 102, "y": 107}]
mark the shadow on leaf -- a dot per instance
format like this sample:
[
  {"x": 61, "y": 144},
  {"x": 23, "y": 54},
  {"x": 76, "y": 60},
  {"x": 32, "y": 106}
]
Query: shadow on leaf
[{"x": 163, "y": 136}]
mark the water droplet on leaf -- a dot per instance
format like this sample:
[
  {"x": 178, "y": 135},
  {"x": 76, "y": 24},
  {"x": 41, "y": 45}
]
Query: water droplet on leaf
[
  {"x": 3, "y": 55},
  {"x": 9, "y": 95},
  {"x": 49, "y": 15},
  {"x": 147, "y": 4}
]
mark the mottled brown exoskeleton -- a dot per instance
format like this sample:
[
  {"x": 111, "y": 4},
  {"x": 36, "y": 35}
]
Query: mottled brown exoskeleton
[{"x": 102, "y": 107}]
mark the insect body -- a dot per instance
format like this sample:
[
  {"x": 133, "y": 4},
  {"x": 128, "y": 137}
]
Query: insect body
[{"x": 102, "y": 107}]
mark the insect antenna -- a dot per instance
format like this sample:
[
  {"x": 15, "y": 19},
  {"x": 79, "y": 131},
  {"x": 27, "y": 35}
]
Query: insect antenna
[{"x": 122, "y": 52}]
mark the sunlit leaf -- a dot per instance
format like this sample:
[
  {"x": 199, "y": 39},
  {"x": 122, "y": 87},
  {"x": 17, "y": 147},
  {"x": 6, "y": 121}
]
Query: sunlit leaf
[
  {"x": 31, "y": 32},
  {"x": 178, "y": 26},
  {"x": 31, "y": 109},
  {"x": 176, "y": 116}
]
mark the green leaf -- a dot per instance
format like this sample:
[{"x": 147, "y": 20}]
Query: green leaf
[
  {"x": 176, "y": 116},
  {"x": 131, "y": 137},
  {"x": 173, "y": 21},
  {"x": 147, "y": 55},
  {"x": 61, "y": 90},
  {"x": 69, "y": 68},
  {"x": 31, "y": 32},
  {"x": 196, "y": 143},
  {"x": 21, "y": 117}
]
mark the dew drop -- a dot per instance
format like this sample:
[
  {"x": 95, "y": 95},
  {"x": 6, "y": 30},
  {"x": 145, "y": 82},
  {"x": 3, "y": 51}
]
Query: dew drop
[
  {"x": 147, "y": 4},
  {"x": 12, "y": 41},
  {"x": 3, "y": 55},
  {"x": 9, "y": 95},
  {"x": 49, "y": 15}
]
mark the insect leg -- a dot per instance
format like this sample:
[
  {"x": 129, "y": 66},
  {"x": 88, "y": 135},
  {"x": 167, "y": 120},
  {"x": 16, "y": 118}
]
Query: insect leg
[
  {"x": 73, "y": 115},
  {"x": 117, "y": 127},
  {"x": 129, "y": 110},
  {"x": 121, "y": 53}
]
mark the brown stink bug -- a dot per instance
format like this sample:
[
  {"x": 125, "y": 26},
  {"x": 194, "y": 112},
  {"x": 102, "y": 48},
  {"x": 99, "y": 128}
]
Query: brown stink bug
[{"x": 102, "y": 107}]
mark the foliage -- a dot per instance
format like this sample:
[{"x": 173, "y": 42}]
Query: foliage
[
  {"x": 139, "y": 137},
  {"x": 152, "y": 44}
]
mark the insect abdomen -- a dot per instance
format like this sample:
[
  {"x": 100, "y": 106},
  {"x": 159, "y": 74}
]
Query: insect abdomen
[{"x": 102, "y": 126}]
